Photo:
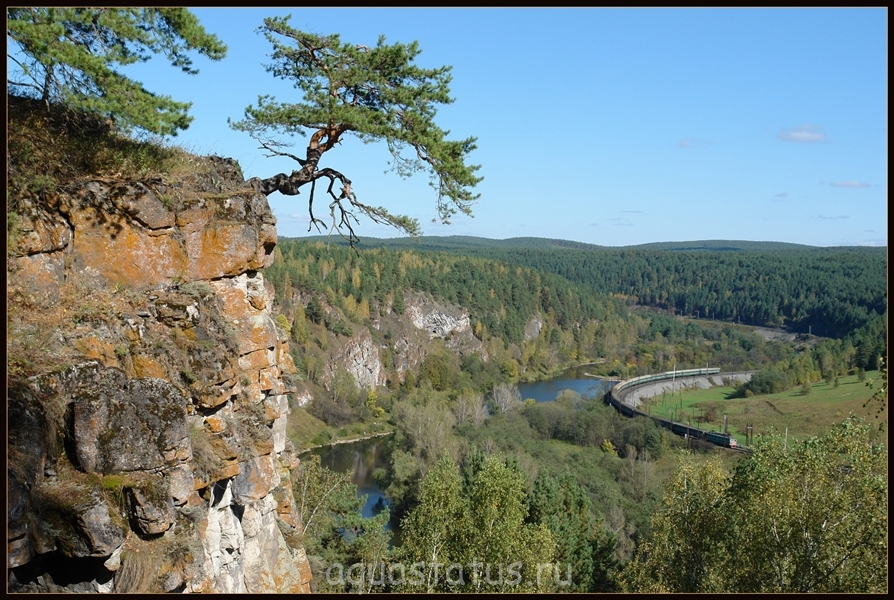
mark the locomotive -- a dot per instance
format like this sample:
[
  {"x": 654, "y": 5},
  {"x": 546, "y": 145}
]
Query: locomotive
[{"x": 715, "y": 437}]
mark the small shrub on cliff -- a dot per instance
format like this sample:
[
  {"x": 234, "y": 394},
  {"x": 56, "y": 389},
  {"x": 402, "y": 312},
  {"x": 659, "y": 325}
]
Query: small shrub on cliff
[
  {"x": 338, "y": 327},
  {"x": 47, "y": 148},
  {"x": 205, "y": 460},
  {"x": 397, "y": 305},
  {"x": 138, "y": 573},
  {"x": 282, "y": 322},
  {"x": 13, "y": 231},
  {"x": 197, "y": 289}
]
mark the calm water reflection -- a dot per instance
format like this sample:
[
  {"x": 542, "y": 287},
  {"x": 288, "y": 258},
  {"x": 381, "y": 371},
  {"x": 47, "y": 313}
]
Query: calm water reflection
[
  {"x": 365, "y": 456},
  {"x": 572, "y": 379}
]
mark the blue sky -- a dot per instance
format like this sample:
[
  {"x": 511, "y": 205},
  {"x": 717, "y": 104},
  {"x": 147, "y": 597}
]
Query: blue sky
[{"x": 607, "y": 126}]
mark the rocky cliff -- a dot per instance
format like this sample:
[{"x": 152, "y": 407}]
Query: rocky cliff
[
  {"x": 407, "y": 339},
  {"x": 148, "y": 391}
]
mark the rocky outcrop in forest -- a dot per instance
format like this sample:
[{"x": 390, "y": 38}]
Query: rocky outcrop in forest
[
  {"x": 426, "y": 319},
  {"x": 148, "y": 391},
  {"x": 408, "y": 335}
]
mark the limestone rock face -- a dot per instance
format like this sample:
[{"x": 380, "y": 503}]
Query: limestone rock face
[
  {"x": 434, "y": 319},
  {"x": 123, "y": 425},
  {"x": 360, "y": 357},
  {"x": 151, "y": 506},
  {"x": 440, "y": 320},
  {"x": 533, "y": 327},
  {"x": 43, "y": 235},
  {"x": 124, "y": 231},
  {"x": 43, "y": 271},
  {"x": 147, "y": 405},
  {"x": 408, "y": 337},
  {"x": 89, "y": 529}
]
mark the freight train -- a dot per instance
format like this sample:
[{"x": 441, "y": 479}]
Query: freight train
[{"x": 616, "y": 395}]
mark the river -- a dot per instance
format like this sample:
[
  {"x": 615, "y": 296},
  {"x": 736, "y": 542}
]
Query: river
[
  {"x": 363, "y": 457},
  {"x": 575, "y": 379}
]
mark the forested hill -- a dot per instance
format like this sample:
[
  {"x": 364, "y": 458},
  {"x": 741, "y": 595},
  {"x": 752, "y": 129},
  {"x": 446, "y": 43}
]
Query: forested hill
[
  {"x": 464, "y": 242},
  {"x": 824, "y": 291},
  {"x": 828, "y": 292},
  {"x": 499, "y": 297},
  {"x": 453, "y": 242},
  {"x": 721, "y": 246}
]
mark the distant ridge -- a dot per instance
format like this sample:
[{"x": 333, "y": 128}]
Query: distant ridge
[
  {"x": 457, "y": 242},
  {"x": 723, "y": 246},
  {"x": 465, "y": 242}
]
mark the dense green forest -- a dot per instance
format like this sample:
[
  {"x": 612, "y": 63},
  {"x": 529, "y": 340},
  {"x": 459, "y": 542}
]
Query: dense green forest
[
  {"x": 499, "y": 297},
  {"x": 824, "y": 291},
  {"x": 829, "y": 292},
  {"x": 580, "y": 485},
  {"x": 583, "y": 323},
  {"x": 479, "y": 477}
]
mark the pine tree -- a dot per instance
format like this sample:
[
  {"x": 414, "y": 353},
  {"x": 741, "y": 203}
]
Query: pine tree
[
  {"x": 398, "y": 306},
  {"x": 375, "y": 93},
  {"x": 315, "y": 310},
  {"x": 69, "y": 56}
]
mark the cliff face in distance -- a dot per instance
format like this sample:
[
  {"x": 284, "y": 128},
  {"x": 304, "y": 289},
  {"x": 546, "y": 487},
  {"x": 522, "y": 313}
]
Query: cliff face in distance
[{"x": 147, "y": 390}]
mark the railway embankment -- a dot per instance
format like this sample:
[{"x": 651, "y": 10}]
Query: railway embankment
[
  {"x": 632, "y": 395},
  {"x": 626, "y": 396}
]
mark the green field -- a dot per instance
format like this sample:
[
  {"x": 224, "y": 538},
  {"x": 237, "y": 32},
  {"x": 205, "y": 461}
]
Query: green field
[{"x": 803, "y": 415}]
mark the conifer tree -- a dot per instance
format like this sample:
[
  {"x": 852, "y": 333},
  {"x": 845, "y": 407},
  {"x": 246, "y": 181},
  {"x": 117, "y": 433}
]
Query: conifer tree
[
  {"x": 71, "y": 57},
  {"x": 375, "y": 93}
]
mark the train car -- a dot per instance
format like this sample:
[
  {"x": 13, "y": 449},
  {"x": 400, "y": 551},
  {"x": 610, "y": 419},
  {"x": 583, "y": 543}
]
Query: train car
[
  {"x": 715, "y": 437},
  {"x": 721, "y": 439}
]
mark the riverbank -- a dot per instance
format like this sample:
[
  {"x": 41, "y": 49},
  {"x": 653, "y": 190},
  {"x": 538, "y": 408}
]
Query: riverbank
[
  {"x": 576, "y": 379},
  {"x": 348, "y": 440},
  {"x": 557, "y": 373}
]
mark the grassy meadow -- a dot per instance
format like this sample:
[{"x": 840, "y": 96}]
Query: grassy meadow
[{"x": 803, "y": 414}]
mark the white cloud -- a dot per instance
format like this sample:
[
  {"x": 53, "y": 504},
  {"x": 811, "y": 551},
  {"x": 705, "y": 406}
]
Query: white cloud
[
  {"x": 809, "y": 134},
  {"x": 848, "y": 184}
]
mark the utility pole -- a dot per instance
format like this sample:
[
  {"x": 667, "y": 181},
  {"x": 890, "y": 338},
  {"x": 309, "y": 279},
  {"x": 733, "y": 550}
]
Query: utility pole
[{"x": 674, "y": 379}]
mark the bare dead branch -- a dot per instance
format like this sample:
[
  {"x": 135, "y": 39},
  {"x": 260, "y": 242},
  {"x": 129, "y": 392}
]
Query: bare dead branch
[{"x": 268, "y": 146}]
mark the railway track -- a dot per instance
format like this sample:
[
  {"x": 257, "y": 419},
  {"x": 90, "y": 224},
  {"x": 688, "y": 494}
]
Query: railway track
[{"x": 616, "y": 397}]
